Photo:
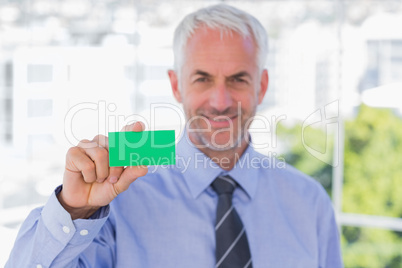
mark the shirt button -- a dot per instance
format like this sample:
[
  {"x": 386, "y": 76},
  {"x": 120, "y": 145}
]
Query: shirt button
[
  {"x": 84, "y": 232},
  {"x": 66, "y": 229},
  {"x": 38, "y": 266}
]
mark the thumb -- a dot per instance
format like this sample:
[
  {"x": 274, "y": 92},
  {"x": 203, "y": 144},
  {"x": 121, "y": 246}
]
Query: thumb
[
  {"x": 129, "y": 175},
  {"x": 136, "y": 127}
]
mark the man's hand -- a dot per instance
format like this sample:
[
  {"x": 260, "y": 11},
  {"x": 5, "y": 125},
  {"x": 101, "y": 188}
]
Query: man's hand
[{"x": 89, "y": 183}]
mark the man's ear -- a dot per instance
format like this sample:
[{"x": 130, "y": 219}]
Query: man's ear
[
  {"x": 263, "y": 85},
  {"x": 174, "y": 83}
]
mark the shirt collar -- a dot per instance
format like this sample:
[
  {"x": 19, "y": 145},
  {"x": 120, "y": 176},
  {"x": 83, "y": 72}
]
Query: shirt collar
[
  {"x": 245, "y": 171},
  {"x": 201, "y": 170}
]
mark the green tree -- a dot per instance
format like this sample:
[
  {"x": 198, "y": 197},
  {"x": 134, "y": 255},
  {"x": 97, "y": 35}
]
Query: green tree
[
  {"x": 297, "y": 155},
  {"x": 372, "y": 179}
]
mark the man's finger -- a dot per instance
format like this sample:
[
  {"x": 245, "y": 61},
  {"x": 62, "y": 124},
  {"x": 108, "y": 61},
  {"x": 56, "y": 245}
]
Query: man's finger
[
  {"x": 102, "y": 141},
  {"x": 136, "y": 127},
  {"x": 78, "y": 160},
  {"x": 115, "y": 173},
  {"x": 129, "y": 175},
  {"x": 99, "y": 155}
]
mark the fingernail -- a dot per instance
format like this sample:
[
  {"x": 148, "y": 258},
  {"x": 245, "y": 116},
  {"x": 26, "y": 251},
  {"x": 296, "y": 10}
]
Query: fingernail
[{"x": 113, "y": 179}]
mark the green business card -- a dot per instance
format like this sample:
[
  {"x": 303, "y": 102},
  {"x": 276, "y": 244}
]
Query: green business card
[{"x": 142, "y": 148}]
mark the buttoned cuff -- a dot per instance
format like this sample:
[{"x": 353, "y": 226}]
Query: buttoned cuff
[{"x": 59, "y": 223}]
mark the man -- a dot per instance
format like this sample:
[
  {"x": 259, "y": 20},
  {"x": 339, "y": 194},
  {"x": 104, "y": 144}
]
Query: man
[{"x": 214, "y": 212}]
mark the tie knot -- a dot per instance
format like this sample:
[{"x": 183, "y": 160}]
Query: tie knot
[{"x": 224, "y": 185}]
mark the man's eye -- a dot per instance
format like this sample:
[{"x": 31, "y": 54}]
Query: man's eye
[
  {"x": 238, "y": 80},
  {"x": 202, "y": 79}
]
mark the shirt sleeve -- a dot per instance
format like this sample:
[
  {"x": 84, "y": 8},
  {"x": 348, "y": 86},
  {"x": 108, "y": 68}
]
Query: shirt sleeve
[
  {"x": 328, "y": 236},
  {"x": 49, "y": 238}
]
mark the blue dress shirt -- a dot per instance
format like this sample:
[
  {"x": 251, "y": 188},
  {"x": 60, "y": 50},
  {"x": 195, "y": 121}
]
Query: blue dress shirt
[{"x": 166, "y": 219}]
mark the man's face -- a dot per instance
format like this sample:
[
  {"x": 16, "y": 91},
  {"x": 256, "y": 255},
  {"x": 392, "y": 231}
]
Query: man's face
[{"x": 220, "y": 87}]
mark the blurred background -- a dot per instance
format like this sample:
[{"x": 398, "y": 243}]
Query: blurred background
[{"x": 72, "y": 69}]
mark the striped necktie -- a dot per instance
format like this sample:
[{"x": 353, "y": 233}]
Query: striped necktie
[{"x": 232, "y": 249}]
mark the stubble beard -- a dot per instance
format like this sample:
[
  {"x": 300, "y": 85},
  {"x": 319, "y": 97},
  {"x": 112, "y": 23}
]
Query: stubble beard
[{"x": 203, "y": 140}]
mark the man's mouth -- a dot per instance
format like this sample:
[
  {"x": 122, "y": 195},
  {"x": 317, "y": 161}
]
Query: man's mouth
[{"x": 221, "y": 121}]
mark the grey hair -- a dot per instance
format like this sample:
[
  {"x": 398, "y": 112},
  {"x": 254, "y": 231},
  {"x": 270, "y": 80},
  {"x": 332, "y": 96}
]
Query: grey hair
[{"x": 226, "y": 19}]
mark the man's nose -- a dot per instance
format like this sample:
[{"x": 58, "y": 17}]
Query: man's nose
[{"x": 221, "y": 98}]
